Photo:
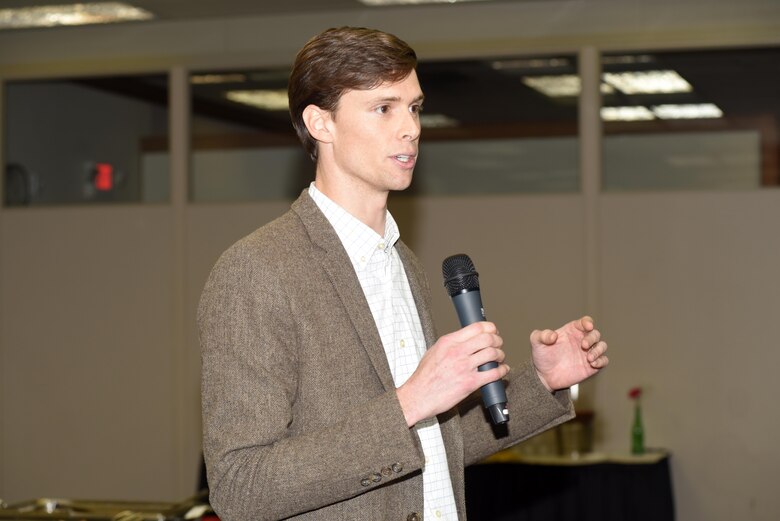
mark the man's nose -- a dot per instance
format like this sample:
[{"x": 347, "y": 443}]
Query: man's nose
[{"x": 410, "y": 129}]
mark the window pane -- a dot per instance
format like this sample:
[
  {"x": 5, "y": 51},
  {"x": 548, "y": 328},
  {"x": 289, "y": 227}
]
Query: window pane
[
  {"x": 691, "y": 120},
  {"x": 243, "y": 144},
  {"x": 499, "y": 126},
  {"x": 86, "y": 140},
  {"x": 489, "y": 126}
]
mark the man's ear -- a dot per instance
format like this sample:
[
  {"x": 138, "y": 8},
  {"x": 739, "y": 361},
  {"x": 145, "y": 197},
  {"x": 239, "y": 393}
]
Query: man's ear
[{"x": 317, "y": 123}]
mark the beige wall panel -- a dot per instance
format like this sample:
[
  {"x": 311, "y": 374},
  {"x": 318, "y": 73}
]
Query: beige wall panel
[
  {"x": 88, "y": 390},
  {"x": 690, "y": 302}
]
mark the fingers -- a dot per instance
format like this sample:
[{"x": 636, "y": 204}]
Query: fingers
[
  {"x": 488, "y": 354},
  {"x": 481, "y": 343},
  {"x": 600, "y": 363},
  {"x": 448, "y": 371},
  {"x": 597, "y": 357},
  {"x": 596, "y": 351},
  {"x": 591, "y": 339},
  {"x": 472, "y": 330},
  {"x": 475, "y": 337},
  {"x": 492, "y": 375},
  {"x": 585, "y": 324},
  {"x": 547, "y": 337}
]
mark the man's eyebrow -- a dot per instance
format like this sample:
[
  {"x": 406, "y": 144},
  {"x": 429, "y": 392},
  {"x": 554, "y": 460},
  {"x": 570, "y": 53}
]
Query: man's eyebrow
[{"x": 396, "y": 99}]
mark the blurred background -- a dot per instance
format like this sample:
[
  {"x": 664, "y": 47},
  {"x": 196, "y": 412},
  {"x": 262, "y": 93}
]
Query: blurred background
[{"x": 609, "y": 157}]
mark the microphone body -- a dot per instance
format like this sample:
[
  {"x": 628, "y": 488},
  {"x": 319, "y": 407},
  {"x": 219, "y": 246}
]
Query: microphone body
[{"x": 462, "y": 283}]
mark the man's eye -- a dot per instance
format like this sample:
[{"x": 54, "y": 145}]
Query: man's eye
[
  {"x": 383, "y": 109},
  {"x": 416, "y": 109}
]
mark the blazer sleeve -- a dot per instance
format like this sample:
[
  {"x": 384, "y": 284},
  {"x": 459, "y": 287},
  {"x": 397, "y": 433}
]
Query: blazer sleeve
[{"x": 257, "y": 469}]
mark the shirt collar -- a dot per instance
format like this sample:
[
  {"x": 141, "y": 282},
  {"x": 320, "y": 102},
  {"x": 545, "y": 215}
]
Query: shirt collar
[{"x": 359, "y": 240}]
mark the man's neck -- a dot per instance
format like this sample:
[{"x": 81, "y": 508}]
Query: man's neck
[{"x": 368, "y": 207}]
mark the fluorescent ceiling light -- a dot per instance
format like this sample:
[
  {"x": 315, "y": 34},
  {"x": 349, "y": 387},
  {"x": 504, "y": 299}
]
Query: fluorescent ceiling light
[
  {"x": 560, "y": 86},
  {"x": 555, "y": 86},
  {"x": 642, "y": 113},
  {"x": 437, "y": 121},
  {"x": 378, "y": 3},
  {"x": 641, "y": 82},
  {"x": 261, "y": 99},
  {"x": 74, "y": 14},
  {"x": 647, "y": 82},
  {"x": 635, "y": 113},
  {"x": 688, "y": 111},
  {"x": 215, "y": 79}
]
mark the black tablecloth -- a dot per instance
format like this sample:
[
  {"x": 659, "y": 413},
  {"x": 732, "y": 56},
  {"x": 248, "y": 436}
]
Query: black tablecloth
[{"x": 598, "y": 492}]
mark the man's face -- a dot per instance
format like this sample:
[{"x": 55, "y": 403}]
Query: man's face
[{"x": 376, "y": 135}]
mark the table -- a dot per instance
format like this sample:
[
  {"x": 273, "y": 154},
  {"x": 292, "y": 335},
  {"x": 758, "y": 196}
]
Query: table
[{"x": 593, "y": 487}]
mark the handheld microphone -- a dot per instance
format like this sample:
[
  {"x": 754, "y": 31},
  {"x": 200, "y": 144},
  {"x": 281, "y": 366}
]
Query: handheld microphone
[{"x": 462, "y": 282}]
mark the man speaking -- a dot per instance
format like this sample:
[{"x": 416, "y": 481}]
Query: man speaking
[{"x": 326, "y": 392}]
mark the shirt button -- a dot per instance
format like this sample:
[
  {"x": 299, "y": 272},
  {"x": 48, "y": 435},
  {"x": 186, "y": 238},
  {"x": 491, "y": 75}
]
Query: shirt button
[
  {"x": 402, "y": 343},
  {"x": 365, "y": 482},
  {"x": 438, "y": 513},
  {"x": 362, "y": 259},
  {"x": 381, "y": 246},
  {"x": 396, "y": 467}
]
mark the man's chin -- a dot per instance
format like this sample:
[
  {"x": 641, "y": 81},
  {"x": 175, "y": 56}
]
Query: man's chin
[{"x": 402, "y": 183}]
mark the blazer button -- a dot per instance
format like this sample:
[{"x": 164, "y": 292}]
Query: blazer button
[
  {"x": 386, "y": 471},
  {"x": 397, "y": 468},
  {"x": 365, "y": 482},
  {"x": 376, "y": 478},
  {"x": 414, "y": 516}
]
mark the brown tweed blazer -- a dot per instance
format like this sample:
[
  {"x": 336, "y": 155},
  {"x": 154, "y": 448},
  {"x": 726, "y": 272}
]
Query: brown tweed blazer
[{"x": 300, "y": 415}]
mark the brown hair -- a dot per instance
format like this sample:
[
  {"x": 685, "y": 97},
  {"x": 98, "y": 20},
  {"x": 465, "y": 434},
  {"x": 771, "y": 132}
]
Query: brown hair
[{"x": 341, "y": 59}]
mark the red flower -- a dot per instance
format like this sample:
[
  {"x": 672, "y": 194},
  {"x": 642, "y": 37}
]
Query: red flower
[{"x": 635, "y": 393}]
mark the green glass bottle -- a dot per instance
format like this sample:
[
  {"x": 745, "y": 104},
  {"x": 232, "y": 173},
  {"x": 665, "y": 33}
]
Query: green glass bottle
[{"x": 637, "y": 432}]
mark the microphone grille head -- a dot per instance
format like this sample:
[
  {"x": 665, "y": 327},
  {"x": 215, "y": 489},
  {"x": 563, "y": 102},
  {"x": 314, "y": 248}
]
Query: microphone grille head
[{"x": 459, "y": 274}]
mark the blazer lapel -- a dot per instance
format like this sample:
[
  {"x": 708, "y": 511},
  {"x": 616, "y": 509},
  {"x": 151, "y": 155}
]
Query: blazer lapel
[
  {"x": 338, "y": 266},
  {"x": 420, "y": 292}
]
